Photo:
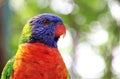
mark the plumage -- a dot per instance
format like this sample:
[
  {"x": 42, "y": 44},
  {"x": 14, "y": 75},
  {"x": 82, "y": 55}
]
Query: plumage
[
  {"x": 45, "y": 64},
  {"x": 37, "y": 56}
]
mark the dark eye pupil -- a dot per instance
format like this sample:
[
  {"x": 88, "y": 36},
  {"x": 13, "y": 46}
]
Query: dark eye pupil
[{"x": 46, "y": 22}]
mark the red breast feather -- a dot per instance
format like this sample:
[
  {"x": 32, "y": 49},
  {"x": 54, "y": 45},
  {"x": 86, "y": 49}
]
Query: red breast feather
[{"x": 38, "y": 61}]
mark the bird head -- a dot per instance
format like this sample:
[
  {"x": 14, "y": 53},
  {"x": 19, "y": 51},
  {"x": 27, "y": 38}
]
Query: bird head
[{"x": 44, "y": 28}]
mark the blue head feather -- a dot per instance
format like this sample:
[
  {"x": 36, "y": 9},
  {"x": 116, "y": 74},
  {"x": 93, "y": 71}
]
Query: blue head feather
[{"x": 43, "y": 29}]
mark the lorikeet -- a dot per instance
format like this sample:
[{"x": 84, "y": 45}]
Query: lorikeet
[{"x": 37, "y": 56}]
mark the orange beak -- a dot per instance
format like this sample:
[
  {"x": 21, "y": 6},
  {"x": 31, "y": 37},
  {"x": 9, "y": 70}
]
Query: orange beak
[{"x": 60, "y": 30}]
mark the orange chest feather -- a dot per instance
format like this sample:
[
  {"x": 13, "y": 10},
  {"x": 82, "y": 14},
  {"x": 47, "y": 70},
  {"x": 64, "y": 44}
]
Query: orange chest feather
[{"x": 37, "y": 61}]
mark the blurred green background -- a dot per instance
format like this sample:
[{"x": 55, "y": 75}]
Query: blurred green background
[{"x": 91, "y": 48}]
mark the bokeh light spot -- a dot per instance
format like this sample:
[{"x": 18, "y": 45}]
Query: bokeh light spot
[
  {"x": 98, "y": 36},
  {"x": 65, "y": 47},
  {"x": 116, "y": 59},
  {"x": 62, "y": 6},
  {"x": 115, "y": 9},
  {"x": 89, "y": 63}
]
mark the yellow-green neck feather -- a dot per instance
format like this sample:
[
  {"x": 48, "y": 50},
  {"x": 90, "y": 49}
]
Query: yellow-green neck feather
[{"x": 26, "y": 33}]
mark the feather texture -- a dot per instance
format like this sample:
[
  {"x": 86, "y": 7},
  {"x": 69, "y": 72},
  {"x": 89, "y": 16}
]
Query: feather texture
[
  {"x": 7, "y": 71},
  {"x": 38, "y": 61}
]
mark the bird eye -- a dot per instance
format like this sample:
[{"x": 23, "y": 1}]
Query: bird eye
[{"x": 46, "y": 22}]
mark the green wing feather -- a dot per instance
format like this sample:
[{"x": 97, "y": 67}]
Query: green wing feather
[{"x": 7, "y": 71}]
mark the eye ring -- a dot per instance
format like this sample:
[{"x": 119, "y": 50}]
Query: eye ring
[{"x": 46, "y": 22}]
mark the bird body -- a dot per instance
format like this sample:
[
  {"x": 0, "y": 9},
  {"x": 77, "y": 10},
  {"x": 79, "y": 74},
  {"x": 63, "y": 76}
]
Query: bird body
[
  {"x": 37, "y": 56},
  {"x": 35, "y": 61}
]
